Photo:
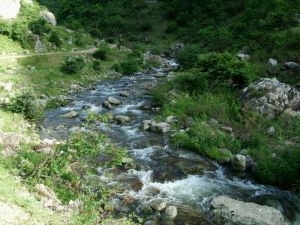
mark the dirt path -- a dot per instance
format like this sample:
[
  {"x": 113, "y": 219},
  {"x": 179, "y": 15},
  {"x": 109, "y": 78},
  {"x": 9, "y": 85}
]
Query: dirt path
[
  {"x": 85, "y": 51},
  {"x": 12, "y": 214}
]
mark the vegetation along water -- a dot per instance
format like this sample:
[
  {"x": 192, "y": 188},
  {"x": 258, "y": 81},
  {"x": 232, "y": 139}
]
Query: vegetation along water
[{"x": 150, "y": 112}]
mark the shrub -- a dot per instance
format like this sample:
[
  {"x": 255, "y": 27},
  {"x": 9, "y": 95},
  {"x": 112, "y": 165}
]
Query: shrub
[
  {"x": 207, "y": 141},
  {"x": 188, "y": 56},
  {"x": 281, "y": 170},
  {"x": 96, "y": 65},
  {"x": 55, "y": 39},
  {"x": 73, "y": 65},
  {"x": 101, "y": 53},
  {"x": 193, "y": 81},
  {"x": 40, "y": 26},
  {"x": 224, "y": 69},
  {"x": 127, "y": 67},
  {"x": 26, "y": 104},
  {"x": 5, "y": 27},
  {"x": 19, "y": 30}
]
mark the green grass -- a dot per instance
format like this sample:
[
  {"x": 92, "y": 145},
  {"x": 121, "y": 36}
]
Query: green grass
[{"x": 7, "y": 45}]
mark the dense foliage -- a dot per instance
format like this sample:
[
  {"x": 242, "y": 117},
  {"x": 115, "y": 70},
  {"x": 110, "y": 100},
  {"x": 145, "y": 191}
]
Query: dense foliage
[{"x": 26, "y": 103}]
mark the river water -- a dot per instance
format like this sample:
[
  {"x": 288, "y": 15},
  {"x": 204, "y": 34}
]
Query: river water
[{"x": 176, "y": 176}]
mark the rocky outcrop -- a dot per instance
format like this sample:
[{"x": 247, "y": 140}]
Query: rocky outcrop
[
  {"x": 154, "y": 59},
  {"x": 122, "y": 119},
  {"x": 71, "y": 114},
  {"x": 38, "y": 45},
  {"x": 49, "y": 17},
  {"x": 233, "y": 212},
  {"x": 238, "y": 163},
  {"x": 161, "y": 127},
  {"x": 48, "y": 197},
  {"x": 9, "y": 9},
  {"x": 270, "y": 97}
]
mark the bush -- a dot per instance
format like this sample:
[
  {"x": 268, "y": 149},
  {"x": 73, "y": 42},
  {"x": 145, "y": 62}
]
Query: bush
[
  {"x": 40, "y": 26},
  {"x": 96, "y": 65},
  {"x": 55, "y": 39},
  {"x": 188, "y": 56},
  {"x": 101, "y": 53},
  {"x": 5, "y": 27},
  {"x": 26, "y": 104},
  {"x": 127, "y": 67},
  {"x": 192, "y": 81},
  {"x": 224, "y": 69},
  {"x": 207, "y": 141},
  {"x": 281, "y": 170},
  {"x": 73, "y": 65}
]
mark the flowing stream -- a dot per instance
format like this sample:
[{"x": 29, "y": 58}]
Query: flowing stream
[{"x": 176, "y": 176}]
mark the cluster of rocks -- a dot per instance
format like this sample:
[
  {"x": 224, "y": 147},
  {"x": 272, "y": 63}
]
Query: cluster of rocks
[
  {"x": 226, "y": 210},
  {"x": 155, "y": 59},
  {"x": 111, "y": 102},
  {"x": 274, "y": 67},
  {"x": 50, "y": 200},
  {"x": 46, "y": 146},
  {"x": 173, "y": 50},
  {"x": 270, "y": 97},
  {"x": 167, "y": 212},
  {"x": 159, "y": 127},
  {"x": 76, "y": 88}
]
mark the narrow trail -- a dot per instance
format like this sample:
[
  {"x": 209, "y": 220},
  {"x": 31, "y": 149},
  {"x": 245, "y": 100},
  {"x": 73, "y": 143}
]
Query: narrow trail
[{"x": 85, "y": 51}]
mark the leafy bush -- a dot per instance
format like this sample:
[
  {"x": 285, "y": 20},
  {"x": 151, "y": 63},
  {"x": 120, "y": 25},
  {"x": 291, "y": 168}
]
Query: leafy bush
[
  {"x": 281, "y": 170},
  {"x": 40, "y": 26},
  {"x": 101, "y": 53},
  {"x": 96, "y": 65},
  {"x": 26, "y": 104},
  {"x": 208, "y": 141},
  {"x": 5, "y": 27},
  {"x": 73, "y": 65},
  {"x": 55, "y": 39},
  {"x": 127, "y": 67},
  {"x": 188, "y": 56},
  {"x": 224, "y": 69}
]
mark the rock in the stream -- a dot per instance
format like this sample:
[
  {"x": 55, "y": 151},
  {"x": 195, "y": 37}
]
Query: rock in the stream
[
  {"x": 71, "y": 114},
  {"x": 150, "y": 58},
  {"x": 233, "y": 212},
  {"x": 158, "y": 204},
  {"x": 161, "y": 127},
  {"x": 113, "y": 101},
  {"x": 171, "y": 212},
  {"x": 238, "y": 163},
  {"x": 270, "y": 97},
  {"x": 124, "y": 94},
  {"x": 122, "y": 119},
  {"x": 147, "y": 124},
  {"x": 107, "y": 105}
]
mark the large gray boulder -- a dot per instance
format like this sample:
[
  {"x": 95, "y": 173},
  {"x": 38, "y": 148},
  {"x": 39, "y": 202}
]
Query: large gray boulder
[
  {"x": 269, "y": 97},
  {"x": 9, "y": 9},
  {"x": 238, "y": 163},
  {"x": 49, "y": 17},
  {"x": 227, "y": 211}
]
